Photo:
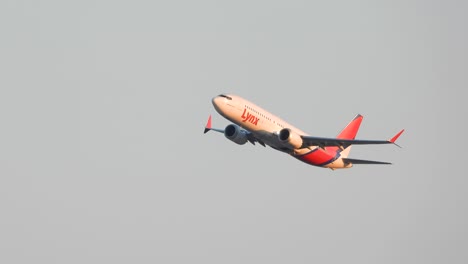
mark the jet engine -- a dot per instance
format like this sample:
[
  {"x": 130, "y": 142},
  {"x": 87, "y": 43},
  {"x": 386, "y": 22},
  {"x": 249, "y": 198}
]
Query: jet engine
[
  {"x": 290, "y": 139},
  {"x": 235, "y": 134}
]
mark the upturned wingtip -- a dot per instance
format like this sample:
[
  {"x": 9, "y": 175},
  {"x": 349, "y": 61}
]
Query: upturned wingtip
[
  {"x": 394, "y": 138},
  {"x": 208, "y": 125}
]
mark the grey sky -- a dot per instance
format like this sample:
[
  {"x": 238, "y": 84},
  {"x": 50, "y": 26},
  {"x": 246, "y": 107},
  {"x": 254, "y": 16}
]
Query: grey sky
[{"x": 102, "y": 108}]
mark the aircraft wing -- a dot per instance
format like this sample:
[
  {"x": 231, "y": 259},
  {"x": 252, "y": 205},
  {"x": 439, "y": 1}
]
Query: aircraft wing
[
  {"x": 325, "y": 142},
  {"x": 250, "y": 137}
]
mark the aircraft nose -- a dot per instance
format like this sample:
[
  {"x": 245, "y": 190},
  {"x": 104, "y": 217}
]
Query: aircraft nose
[{"x": 216, "y": 101}]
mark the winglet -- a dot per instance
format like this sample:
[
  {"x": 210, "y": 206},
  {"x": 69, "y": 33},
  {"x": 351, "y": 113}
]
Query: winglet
[
  {"x": 394, "y": 138},
  {"x": 208, "y": 125}
]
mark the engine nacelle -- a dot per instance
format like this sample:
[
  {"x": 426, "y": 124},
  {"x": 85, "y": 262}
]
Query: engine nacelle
[
  {"x": 236, "y": 134},
  {"x": 290, "y": 139}
]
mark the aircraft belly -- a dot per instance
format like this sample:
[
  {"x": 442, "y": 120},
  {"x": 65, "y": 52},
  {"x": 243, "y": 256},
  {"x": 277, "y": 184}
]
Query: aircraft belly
[{"x": 322, "y": 158}]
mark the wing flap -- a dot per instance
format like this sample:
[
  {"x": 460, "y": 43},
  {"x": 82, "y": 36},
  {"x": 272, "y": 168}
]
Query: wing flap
[{"x": 325, "y": 142}]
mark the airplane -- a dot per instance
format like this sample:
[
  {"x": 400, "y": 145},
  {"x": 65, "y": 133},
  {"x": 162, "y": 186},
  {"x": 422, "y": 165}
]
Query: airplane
[{"x": 254, "y": 124}]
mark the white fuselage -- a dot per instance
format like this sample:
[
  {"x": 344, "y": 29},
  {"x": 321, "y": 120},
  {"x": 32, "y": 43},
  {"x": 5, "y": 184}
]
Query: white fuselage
[{"x": 266, "y": 126}]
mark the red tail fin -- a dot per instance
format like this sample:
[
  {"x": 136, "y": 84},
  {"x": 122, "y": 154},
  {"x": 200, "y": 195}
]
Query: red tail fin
[{"x": 349, "y": 132}]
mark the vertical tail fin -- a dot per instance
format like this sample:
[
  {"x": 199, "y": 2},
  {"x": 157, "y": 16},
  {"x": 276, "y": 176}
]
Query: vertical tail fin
[{"x": 349, "y": 132}]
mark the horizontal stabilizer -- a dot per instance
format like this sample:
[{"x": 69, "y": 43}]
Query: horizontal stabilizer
[{"x": 358, "y": 161}]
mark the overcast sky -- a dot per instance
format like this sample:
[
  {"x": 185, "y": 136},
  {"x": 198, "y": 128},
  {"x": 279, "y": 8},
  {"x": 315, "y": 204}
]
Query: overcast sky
[{"x": 103, "y": 159}]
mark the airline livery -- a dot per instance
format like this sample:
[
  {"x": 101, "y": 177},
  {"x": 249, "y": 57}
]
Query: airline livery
[{"x": 256, "y": 125}]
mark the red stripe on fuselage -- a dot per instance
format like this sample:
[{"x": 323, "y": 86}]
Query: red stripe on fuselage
[{"x": 317, "y": 157}]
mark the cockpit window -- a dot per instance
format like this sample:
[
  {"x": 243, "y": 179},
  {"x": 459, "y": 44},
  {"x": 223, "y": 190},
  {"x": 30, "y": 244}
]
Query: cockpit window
[{"x": 225, "y": 96}]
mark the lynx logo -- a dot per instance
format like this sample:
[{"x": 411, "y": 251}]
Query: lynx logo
[{"x": 249, "y": 117}]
